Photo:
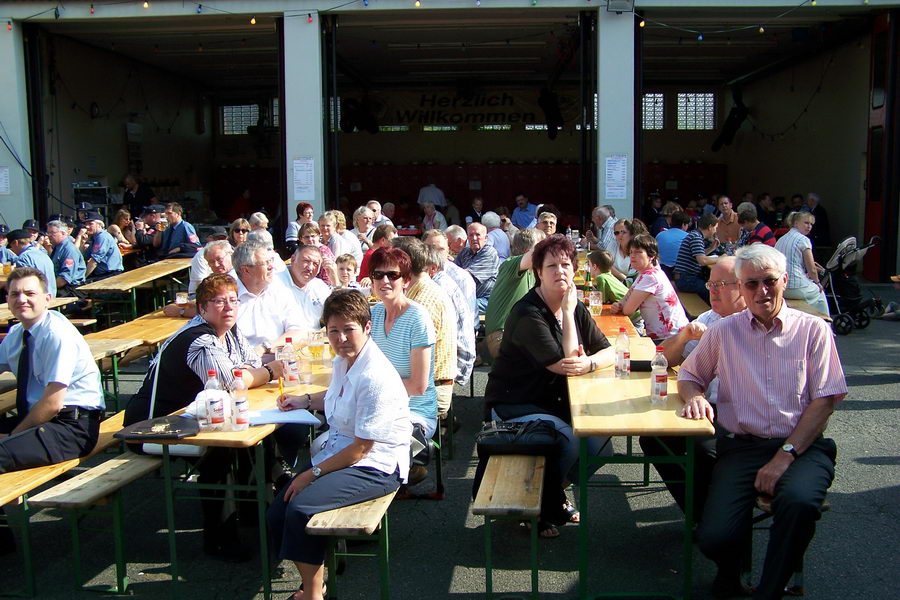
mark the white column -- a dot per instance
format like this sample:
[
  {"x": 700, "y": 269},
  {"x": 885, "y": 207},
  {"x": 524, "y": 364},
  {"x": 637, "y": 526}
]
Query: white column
[
  {"x": 302, "y": 112},
  {"x": 18, "y": 205},
  {"x": 615, "y": 119}
]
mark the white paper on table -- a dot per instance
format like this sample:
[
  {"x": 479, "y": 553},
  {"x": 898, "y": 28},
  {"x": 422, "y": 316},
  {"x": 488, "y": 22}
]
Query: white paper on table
[{"x": 273, "y": 415}]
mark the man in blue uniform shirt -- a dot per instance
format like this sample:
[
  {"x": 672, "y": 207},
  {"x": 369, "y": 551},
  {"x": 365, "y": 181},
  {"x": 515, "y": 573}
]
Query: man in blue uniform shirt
[
  {"x": 102, "y": 256},
  {"x": 5, "y": 255},
  {"x": 179, "y": 240},
  {"x": 67, "y": 260},
  {"x": 524, "y": 213},
  {"x": 28, "y": 255}
]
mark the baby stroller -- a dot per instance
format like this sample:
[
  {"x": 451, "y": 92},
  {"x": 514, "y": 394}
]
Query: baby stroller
[{"x": 848, "y": 307}]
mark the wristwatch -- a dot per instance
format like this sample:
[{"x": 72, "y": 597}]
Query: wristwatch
[
  {"x": 789, "y": 448},
  {"x": 316, "y": 471}
]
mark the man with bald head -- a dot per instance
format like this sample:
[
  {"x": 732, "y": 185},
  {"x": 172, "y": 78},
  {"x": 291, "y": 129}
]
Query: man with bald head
[{"x": 482, "y": 263}]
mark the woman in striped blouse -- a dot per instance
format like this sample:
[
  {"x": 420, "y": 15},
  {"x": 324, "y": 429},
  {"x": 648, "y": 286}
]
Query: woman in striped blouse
[{"x": 803, "y": 272}]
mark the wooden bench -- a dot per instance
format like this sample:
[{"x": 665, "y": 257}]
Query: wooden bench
[
  {"x": 361, "y": 520},
  {"x": 83, "y": 323},
  {"x": 693, "y": 304},
  {"x": 17, "y": 485},
  {"x": 7, "y": 401},
  {"x": 101, "y": 485},
  {"x": 511, "y": 488}
]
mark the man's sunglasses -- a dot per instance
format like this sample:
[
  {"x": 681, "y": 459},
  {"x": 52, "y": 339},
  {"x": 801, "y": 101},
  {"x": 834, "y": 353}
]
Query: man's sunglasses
[
  {"x": 753, "y": 284},
  {"x": 379, "y": 275}
]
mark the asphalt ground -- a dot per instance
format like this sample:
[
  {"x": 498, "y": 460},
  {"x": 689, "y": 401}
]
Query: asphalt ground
[{"x": 437, "y": 548}]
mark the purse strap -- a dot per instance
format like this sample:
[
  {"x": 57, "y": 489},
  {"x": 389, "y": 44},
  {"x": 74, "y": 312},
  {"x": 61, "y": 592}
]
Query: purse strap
[{"x": 155, "y": 380}]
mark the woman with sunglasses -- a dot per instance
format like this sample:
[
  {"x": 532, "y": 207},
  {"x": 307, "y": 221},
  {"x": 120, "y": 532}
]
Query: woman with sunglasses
[
  {"x": 548, "y": 336},
  {"x": 404, "y": 331},
  {"x": 309, "y": 236},
  {"x": 652, "y": 292},
  {"x": 624, "y": 230},
  {"x": 209, "y": 341},
  {"x": 305, "y": 214},
  {"x": 367, "y": 452},
  {"x": 237, "y": 232},
  {"x": 803, "y": 272}
]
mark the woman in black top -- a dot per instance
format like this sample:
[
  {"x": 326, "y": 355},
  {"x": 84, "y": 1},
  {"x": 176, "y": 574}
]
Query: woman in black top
[{"x": 549, "y": 335}]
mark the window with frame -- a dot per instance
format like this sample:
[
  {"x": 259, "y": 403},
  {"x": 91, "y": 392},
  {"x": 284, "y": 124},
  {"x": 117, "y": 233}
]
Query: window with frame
[
  {"x": 696, "y": 110},
  {"x": 653, "y": 111},
  {"x": 439, "y": 128},
  {"x": 236, "y": 118}
]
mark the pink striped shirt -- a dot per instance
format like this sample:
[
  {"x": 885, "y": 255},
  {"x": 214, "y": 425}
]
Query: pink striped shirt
[{"x": 766, "y": 378}]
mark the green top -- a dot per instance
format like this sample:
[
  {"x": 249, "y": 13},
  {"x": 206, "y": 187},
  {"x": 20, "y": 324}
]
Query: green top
[
  {"x": 613, "y": 290},
  {"x": 511, "y": 285}
]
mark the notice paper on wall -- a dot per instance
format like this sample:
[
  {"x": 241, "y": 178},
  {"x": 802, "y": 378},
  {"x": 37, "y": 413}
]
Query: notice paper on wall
[
  {"x": 304, "y": 179},
  {"x": 4, "y": 181},
  {"x": 616, "y": 177}
]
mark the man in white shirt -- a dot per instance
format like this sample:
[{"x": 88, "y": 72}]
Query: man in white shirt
[
  {"x": 380, "y": 218},
  {"x": 268, "y": 312},
  {"x": 432, "y": 193},
  {"x": 309, "y": 291},
  {"x": 604, "y": 239},
  {"x": 261, "y": 236}
]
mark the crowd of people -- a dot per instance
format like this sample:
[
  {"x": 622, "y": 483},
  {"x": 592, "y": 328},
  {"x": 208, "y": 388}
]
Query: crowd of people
[{"x": 403, "y": 315}]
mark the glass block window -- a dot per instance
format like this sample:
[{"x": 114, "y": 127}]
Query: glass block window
[
  {"x": 436, "y": 128},
  {"x": 696, "y": 110},
  {"x": 653, "y": 111},
  {"x": 276, "y": 112},
  {"x": 393, "y": 128},
  {"x": 236, "y": 118}
]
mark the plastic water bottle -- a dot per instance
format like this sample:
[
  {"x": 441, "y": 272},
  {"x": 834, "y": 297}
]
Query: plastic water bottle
[
  {"x": 659, "y": 379},
  {"x": 623, "y": 354},
  {"x": 289, "y": 355},
  {"x": 240, "y": 409},
  {"x": 215, "y": 408}
]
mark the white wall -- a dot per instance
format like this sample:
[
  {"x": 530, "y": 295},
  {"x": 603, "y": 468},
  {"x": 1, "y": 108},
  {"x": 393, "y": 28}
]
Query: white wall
[
  {"x": 16, "y": 206},
  {"x": 80, "y": 147}
]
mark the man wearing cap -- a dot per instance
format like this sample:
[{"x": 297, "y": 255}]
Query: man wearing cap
[
  {"x": 145, "y": 230},
  {"x": 29, "y": 256},
  {"x": 102, "y": 256},
  {"x": 32, "y": 227},
  {"x": 67, "y": 260},
  {"x": 5, "y": 255},
  {"x": 179, "y": 240},
  {"x": 137, "y": 196}
]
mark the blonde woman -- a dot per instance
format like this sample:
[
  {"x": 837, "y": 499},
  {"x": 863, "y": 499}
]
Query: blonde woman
[{"x": 803, "y": 272}]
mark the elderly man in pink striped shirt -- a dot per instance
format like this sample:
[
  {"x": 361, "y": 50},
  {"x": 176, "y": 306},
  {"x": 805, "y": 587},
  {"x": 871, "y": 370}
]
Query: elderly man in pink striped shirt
[{"x": 779, "y": 380}]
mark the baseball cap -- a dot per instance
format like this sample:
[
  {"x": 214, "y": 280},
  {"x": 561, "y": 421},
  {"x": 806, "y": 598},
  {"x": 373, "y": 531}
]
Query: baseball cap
[
  {"x": 92, "y": 215},
  {"x": 4, "y": 229},
  {"x": 218, "y": 231},
  {"x": 18, "y": 234},
  {"x": 84, "y": 206},
  {"x": 157, "y": 209},
  {"x": 31, "y": 224}
]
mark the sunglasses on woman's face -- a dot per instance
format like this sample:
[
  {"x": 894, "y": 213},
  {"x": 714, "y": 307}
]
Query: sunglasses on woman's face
[
  {"x": 619, "y": 232},
  {"x": 379, "y": 275},
  {"x": 242, "y": 231}
]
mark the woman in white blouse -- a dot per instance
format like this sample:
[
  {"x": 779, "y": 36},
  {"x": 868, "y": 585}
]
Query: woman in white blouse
[
  {"x": 624, "y": 230},
  {"x": 803, "y": 272},
  {"x": 364, "y": 226},
  {"x": 367, "y": 453}
]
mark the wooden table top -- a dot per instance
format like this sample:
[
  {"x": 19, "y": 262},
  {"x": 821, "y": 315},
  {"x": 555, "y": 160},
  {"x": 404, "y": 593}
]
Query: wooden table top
[
  {"x": 609, "y": 324},
  {"x": 604, "y": 405},
  {"x": 104, "y": 348},
  {"x": 260, "y": 398},
  {"x": 6, "y": 314},
  {"x": 151, "y": 329},
  {"x": 125, "y": 282}
]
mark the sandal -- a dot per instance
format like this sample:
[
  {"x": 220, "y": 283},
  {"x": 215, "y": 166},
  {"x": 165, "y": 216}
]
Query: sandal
[
  {"x": 572, "y": 514},
  {"x": 294, "y": 595},
  {"x": 546, "y": 529}
]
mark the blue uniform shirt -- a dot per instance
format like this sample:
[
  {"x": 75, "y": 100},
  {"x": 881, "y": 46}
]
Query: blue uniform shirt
[
  {"x": 105, "y": 252},
  {"x": 6, "y": 255},
  {"x": 68, "y": 262},
  {"x": 181, "y": 236},
  {"x": 38, "y": 259},
  {"x": 58, "y": 354},
  {"x": 522, "y": 217}
]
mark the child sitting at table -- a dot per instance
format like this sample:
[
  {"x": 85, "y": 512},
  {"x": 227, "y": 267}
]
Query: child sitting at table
[
  {"x": 605, "y": 282},
  {"x": 347, "y": 270}
]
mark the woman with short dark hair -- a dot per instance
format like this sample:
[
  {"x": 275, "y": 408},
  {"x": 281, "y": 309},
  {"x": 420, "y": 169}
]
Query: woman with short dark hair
[
  {"x": 651, "y": 292},
  {"x": 549, "y": 336},
  {"x": 367, "y": 453}
]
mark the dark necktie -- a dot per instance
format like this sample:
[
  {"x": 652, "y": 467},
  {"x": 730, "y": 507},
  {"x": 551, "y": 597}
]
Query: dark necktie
[{"x": 22, "y": 376}]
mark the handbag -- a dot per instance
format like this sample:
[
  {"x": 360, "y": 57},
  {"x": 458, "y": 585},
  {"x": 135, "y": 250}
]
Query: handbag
[{"x": 537, "y": 437}]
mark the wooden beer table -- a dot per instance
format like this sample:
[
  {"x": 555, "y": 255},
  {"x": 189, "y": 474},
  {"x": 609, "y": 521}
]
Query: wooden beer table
[
  {"x": 260, "y": 398},
  {"x": 603, "y": 405},
  {"x": 6, "y": 314},
  {"x": 152, "y": 329},
  {"x": 128, "y": 282},
  {"x": 111, "y": 349}
]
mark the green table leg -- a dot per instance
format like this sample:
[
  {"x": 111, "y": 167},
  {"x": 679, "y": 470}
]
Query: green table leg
[
  {"x": 170, "y": 517},
  {"x": 261, "y": 497},
  {"x": 534, "y": 558},
  {"x": 384, "y": 559},
  {"x": 134, "y": 314},
  {"x": 119, "y": 543},
  {"x": 688, "y": 517},
  {"x": 488, "y": 567}
]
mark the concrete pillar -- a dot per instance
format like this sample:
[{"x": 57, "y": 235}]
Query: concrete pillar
[
  {"x": 18, "y": 205},
  {"x": 616, "y": 119},
  {"x": 302, "y": 113}
]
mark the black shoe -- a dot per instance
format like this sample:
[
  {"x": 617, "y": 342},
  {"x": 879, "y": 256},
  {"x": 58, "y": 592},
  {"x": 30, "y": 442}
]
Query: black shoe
[{"x": 729, "y": 586}]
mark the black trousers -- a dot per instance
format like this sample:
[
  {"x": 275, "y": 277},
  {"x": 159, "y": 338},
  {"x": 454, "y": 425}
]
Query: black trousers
[
  {"x": 673, "y": 475},
  {"x": 727, "y": 517},
  {"x": 64, "y": 437}
]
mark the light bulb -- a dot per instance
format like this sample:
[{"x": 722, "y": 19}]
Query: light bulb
[
  {"x": 762, "y": 29},
  {"x": 643, "y": 23},
  {"x": 418, "y": 4},
  {"x": 253, "y": 20},
  {"x": 92, "y": 9},
  {"x": 309, "y": 18},
  {"x": 146, "y": 4},
  {"x": 699, "y": 37},
  {"x": 199, "y": 8}
]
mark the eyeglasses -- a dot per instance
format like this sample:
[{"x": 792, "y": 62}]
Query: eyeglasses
[
  {"x": 620, "y": 232},
  {"x": 242, "y": 231},
  {"x": 221, "y": 302},
  {"x": 392, "y": 275},
  {"x": 753, "y": 284},
  {"x": 710, "y": 285}
]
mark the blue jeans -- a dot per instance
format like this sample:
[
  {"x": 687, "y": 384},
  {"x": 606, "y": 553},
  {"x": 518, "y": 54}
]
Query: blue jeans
[
  {"x": 480, "y": 308},
  {"x": 568, "y": 459},
  {"x": 691, "y": 284}
]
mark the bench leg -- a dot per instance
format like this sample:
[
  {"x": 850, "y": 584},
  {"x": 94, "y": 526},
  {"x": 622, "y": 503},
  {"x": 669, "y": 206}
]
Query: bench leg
[
  {"x": 21, "y": 522},
  {"x": 76, "y": 548},
  {"x": 331, "y": 563},
  {"x": 262, "y": 497},
  {"x": 534, "y": 558},
  {"x": 119, "y": 543},
  {"x": 170, "y": 518},
  {"x": 488, "y": 568},
  {"x": 384, "y": 564}
]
